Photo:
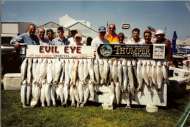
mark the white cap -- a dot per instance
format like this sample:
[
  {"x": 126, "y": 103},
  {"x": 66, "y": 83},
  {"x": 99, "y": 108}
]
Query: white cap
[{"x": 159, "y": 32}]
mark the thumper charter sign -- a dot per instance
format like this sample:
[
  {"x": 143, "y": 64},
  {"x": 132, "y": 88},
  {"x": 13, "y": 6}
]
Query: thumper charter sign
[
  {"x": 131, "y": 51},
  {"x": 53, "y": 51}
]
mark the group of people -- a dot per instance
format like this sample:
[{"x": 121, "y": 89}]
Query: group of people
[{"x": 105, "y": 36}]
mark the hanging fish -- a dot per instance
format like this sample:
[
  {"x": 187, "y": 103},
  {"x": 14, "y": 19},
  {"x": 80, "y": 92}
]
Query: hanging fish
[
  {"x": 80, "y": 91},
  {"x": 139, "y": 75},
  {"x": 120, "y": 72},
  {"x": 85, "y": 70},
  {"x": 117, "y": 92},
  {"x": 159, "y": 73},
  {"x": 36, "y": 85},
  {"x": 67, "y": 82},
  {"x": 74, "y": 73},
  {"x": 91, "y": 69},
  {"x": 125, "y": 74},
  {"x": 80, "y": 70},
  {"x": 86, "y": 95},
  {"x": 34, "y": 66},
  {"x": 114, "y": 71},
  {"x": 29, "y": 80},
  {"x": 101, "y": 68},
  {"x": 105, "y": 71},
  {"x": 91, "y": 90},
  {"x": 96, "y": 71},
  {"x": 24, "y": 69},
  {"x": 144, "y": 72},
  {"x": 131, "y": 85},
  {"x": 42, "y": 93},
  {"x": 149, "y": 67},
  {"x": 29, "y": 71},
  {"x": 164, "y": 70},
  {"x": 74, "y": 95},
  {"x": 23, "y": 93},
  {"x": 153, "y": 72},
  {"x": 57, "y": 68},
  {"x": 60, "y": 89}
]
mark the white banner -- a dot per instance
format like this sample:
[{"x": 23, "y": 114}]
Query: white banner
[
  {"x": 54, "y": 51},
  {"x": 158, "y": 51}
]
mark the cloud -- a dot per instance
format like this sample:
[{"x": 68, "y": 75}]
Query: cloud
[{"x": 187, "y": 4}]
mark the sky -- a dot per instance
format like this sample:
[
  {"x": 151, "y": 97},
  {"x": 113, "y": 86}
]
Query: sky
[{"x": 170, "y": 15}]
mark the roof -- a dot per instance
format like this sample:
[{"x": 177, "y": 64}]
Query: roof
[
  {"x": 83, "y": 29},
  {"x": 50, "y": 24},
  {"x": 81, "y": 24},
  {"x": 14, "y": 22},
  {"x": 66, "y": 20}
]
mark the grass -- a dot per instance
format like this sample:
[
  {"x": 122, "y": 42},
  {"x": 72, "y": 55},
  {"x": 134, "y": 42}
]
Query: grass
[{"x": 13, "y": 115}]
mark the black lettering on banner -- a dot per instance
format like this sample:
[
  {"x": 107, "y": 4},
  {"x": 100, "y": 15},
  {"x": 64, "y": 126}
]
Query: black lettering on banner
[{"x": 125, "y": 51}]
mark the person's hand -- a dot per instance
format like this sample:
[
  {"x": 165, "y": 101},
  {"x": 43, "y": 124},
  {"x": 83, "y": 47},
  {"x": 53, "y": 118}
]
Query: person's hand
[{"x": 17, "y": 45}]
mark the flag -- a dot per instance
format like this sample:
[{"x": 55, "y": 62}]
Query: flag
[{"x": 174, "y": 42}]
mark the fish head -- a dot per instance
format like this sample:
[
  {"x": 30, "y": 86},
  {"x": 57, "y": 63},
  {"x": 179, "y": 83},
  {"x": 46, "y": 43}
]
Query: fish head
[
  {"x": 139, "y": 62},
  {"x": 124, "y": 62},
  {"x": 134, "y": 62},
  {"x": 129, "y": 63},
  {"x": 159, "y": 63}
]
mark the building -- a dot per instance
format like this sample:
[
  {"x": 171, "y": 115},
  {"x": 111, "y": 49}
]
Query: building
[
  {"x": 54, "y": 26},
  {"x": 83, "y": 29},
  {"x": 11, "y": 30},
  {"x": 66, "y": 21}
]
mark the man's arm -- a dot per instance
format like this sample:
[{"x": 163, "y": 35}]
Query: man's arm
[{"x": 16, "y": 41}]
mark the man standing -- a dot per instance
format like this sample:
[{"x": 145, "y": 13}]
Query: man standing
[
  {"x": 121, "y": 37},
  {"x": 135, "y": 39},
  {"x": 50, "y": 35},
  {"x": 100, "y": 39},
  {"x": 112, "y": 37},
  {"x": 60, "y": 40},
  {"x": 160, "y": 39},
  {"x": 77, "y": 40},
  {"x": 41, "y": 34},
  {"x": 28, "y": 38},
  {"x": 147, "y": 36}
]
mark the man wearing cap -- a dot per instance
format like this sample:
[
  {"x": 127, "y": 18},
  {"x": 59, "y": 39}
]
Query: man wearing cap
[
  {"x": 160, "y": 39},
  {"x": 28, "y": 38},
  {"x": 77, "y": 40},
  {"x": 111, "y": 36},
  {"x": 135, "y": 39},
  {"x": 60, "y": 40},
  {"x": 100, "y": 39}
]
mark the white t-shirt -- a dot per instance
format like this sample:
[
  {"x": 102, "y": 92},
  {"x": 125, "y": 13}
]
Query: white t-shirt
[
  {"x": 132, "y": 41},
  {"x": 72, "y": 41},
  {"x": 96, "y": 42}
]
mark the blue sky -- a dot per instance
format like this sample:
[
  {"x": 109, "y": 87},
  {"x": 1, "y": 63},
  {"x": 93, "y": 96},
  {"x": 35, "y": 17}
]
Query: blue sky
[{"x": 175, "y": 15}]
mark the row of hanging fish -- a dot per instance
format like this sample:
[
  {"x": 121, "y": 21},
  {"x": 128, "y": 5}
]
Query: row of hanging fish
[{"x": 77, "y": 80}]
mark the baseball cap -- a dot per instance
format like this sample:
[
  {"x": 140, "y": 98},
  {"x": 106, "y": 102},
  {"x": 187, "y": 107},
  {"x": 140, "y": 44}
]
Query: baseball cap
[{"x": 102, "y": 29}]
